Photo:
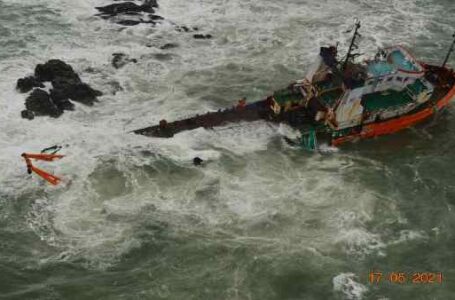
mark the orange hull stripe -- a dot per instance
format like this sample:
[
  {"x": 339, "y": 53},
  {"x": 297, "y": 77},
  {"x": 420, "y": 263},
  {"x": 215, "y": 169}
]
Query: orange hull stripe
[{"x": 392, "y": 126}]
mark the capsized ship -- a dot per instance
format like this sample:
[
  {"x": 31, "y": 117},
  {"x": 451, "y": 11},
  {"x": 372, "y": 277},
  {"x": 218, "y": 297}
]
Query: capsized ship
[{"x": 341, "y": 100}]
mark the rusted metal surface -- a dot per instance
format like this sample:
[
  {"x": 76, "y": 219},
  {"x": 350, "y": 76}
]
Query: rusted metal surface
[{"x": 251, "y": 112}]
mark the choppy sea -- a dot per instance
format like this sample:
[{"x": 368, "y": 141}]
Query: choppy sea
[{"x": 134, "y": 219}]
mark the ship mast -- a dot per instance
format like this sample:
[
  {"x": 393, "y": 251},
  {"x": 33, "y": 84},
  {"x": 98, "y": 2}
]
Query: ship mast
[
  {"x": 353, "y": 45},
  {"x": 450, "y": 52}
]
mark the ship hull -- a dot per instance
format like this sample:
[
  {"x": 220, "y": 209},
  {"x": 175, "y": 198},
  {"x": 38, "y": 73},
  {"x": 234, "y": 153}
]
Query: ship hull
[{"x": 391, "y": 126}]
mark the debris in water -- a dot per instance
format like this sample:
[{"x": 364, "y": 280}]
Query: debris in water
[
  {"x": 197, "y": 161},
  {"x": 52, "y": 179}
]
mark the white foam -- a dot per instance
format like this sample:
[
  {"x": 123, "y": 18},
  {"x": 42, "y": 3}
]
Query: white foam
[
  {"x": 346, "y": 283},
  {"x": 302, "y": 200}
]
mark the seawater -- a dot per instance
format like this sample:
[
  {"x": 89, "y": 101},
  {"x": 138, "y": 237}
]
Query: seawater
[{"x": 136, "y": 220}]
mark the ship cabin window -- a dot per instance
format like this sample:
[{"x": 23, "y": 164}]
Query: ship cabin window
[
  {"x": 406, "y": 79},
  {"x": 400, "y": 79},
  {"x": 389, "y": 79},
  {"x": 379, "y": 80}
]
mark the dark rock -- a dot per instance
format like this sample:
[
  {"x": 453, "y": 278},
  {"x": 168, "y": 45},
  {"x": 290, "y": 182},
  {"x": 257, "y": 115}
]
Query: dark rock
[
  {"x": 115, "y": 87},
  {"x": 77, "y": 91},
  {"x": 148, "y": 22},
  {"x": 121, "y": 59},
  {"x": 64, "y": 104},
  {"x": 40, "y": 103},
  {"x": 168, "y": 46},
  {"x": 155, "y": 17},
  {"x": 128, "y": 22},
  {"x": 66, "y": 85},
  {"x": 114, "y": 9},
  {"x": 55, "y": 68},
  {"x": 132, "y": 13},
  {"x": 91, "y": 70},
  {"x": 162, "y": 56},
  {"x": 83, "y": 93},
  {"x": 128, "y": 13},
  {"x": 60, "y": 99},
  {"x": 127, "y": 8},
  {"x": 26, "y": 84},
  {"x": 151, "y": 3},
  {"x": 182, "y": 29},
  {"x": 197, "y": 161},
  {"x": 27, "y": 114},
  {"x": 199, "y": 36}
]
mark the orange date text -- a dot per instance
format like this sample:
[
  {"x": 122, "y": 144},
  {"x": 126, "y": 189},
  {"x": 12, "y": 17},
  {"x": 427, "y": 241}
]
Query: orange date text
[{"x": 376, "y": 277}]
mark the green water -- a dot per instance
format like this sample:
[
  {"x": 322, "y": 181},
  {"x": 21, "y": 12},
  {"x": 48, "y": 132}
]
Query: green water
[{"x": 135, "y": 219}]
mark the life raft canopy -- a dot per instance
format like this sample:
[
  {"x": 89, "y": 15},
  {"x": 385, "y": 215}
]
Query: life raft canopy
[{"x": 28, "y": 157}]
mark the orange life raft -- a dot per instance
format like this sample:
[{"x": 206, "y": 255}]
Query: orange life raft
[{"x": 52, "y": 179}]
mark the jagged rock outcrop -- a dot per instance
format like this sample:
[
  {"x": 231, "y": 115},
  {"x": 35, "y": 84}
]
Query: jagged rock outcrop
[
  {"x": 129, "y": 13},
  {"x": 40, "y": 103},
  {"x": 66, "y": 86},
  {"x": 53, "y": 69},
  {"x": 65, "y": 82},
  {"x": 26, "y": 84}
]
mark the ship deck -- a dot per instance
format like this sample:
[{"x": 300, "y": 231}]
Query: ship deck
[
  {"x": 385, "y": 100},
  {"x": 391, "y": 98}
]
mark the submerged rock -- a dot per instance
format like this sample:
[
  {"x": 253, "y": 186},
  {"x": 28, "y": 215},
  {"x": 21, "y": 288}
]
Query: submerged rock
[
  {"x": 121, "y": 59},
  {"x": 197, "y": 161},
  {"x": 126, "y": 13},
  {"x": 41, "y": 104},
  {"x": 114, "y": 87},
  {"x": 168, "y": 46},
  {"x": 26, "y": 84},
  {"x": 129, "y": 22},
  {"x": 27, "y": 114},
  {"x": 155, "y": 18},
  {"x": 183, "y": 28},
  {"x": 199, "y": 36},
  {"x": 151, "y": 3},
  {"x": 124, "y": 7}
]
